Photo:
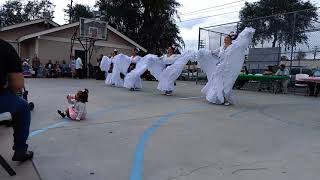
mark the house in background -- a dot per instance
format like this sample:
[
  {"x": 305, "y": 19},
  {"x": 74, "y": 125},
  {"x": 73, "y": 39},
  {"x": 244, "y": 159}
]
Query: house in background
[{"x": 51, "y": 41}]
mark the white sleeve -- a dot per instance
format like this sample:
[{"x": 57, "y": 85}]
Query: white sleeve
[{"x": 216, "y": 52}]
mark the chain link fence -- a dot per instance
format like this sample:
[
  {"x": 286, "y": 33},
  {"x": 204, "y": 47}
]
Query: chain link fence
[{"x": 290, "y": 38}]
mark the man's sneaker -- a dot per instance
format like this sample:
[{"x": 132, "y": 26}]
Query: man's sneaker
[
  {"x": 22, "y": 157},
  {"x": 131, "y": 89},
  {"x": 61, "y": 114},
  {"x": 227, "y": 104}
]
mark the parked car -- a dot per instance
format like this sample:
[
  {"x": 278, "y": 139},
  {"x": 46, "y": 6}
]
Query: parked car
[
  {"x": 316, "y": 73},
  {"x": 298, "y": 70}
]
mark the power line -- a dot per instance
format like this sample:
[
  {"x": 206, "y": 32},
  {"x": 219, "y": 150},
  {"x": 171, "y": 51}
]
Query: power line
[
  {"x": 216, "y": 9},
  {"x": 258, "y": 18},
  {"x": 209, "y": 16},
  {"x": 213, "y": 7}
]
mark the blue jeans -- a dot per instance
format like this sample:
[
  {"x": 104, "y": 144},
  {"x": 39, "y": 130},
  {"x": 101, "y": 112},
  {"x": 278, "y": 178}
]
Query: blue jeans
[{"x": 21, "y": 116}]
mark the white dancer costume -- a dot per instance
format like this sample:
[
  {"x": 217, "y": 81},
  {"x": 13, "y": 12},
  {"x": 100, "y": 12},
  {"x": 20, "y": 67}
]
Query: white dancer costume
[
  {"x": 121, "y": 64},
  {"x": 133, "y": 79},
  {"x": 105, "y": 66},
  {"x": 219, "y": 87},
  {"x": 168, "y": 75}
]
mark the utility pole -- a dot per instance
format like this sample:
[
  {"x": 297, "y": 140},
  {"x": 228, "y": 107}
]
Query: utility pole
[
  {"x": 70, "y": 11},
  {"x": 292, "y": 38}
]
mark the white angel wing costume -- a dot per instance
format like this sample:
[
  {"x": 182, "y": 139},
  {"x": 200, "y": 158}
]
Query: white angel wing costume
[
  {"x": 132, "y": 79},
  {"x": 172, "y": 72},
  {"x": 108, "y": 80},
  {"x": 105, "y": 63},
  {"x": 156, "y": 66},
  {"x": 207, "y": 61},
  {"x": 121, "y": 63},
  {"x": 104, "y": 66},
  {"x": 227, "y": 71}
]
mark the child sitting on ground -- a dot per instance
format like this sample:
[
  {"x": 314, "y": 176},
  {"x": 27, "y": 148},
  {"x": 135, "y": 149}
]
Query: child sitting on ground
[{"x": 78, "y": 109}]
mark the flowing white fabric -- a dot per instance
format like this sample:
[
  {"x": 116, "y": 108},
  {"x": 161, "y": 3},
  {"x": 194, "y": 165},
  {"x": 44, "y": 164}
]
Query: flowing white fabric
[
  {"x": 121, "y": 63},
  {"x": 156, "y": 66},
  {"x": 170, "y": 74},
  {"x": 219, "y": 87},
  {"x": 133, "y": 79},
  {"x": 105, "y": 66},
  {"x": 207, "y": 61},
  {"x": 105, "y": 63}
]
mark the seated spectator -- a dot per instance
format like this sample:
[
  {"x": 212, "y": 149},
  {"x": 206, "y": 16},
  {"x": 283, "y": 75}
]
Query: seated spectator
[
  {"x": 12, "y": 81},
  {"x": 268, "y": 71},
  {"x": 283, "y": 71},
  {"x": 56, "y": 69},
  {"x": 266, "y": 85},
  {"x": 49, "y": 69},
  {"x": 64, "y": 68},
  {"x": 41, "y": 71},
  {"x": 240, "y": 83}
]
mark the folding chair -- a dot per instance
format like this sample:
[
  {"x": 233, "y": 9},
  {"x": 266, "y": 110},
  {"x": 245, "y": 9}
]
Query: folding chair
[
  {"x": 6, "y": 166},
  {"x": 3, "y": 162}
]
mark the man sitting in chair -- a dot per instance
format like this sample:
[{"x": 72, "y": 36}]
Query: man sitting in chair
[
  {"x": 283, "y": 71},
  {"x": 11, "y": 81}
]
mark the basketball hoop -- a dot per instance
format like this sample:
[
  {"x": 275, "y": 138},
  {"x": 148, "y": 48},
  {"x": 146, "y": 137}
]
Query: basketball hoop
[
  {"x": 92, "y": 28},
  {"x": 93, "y": 32}
]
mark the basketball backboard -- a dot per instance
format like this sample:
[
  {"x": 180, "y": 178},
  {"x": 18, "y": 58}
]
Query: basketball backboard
[{"x": 91, "y": 28}]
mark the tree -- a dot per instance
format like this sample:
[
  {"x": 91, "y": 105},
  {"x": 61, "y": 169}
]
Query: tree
[
  {"x": 77, "y": 11},
  {"x": 279, "y": 28},
  {"x": 150, "y": 23},
  {"x": 39, "y": 9},
  {"x": 159, "y": 29},
  {"x": 13, "y": 12}
]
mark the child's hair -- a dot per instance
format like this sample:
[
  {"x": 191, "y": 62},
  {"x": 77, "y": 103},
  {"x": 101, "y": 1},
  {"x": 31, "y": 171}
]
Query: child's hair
[{"x": 82, "y": 95}]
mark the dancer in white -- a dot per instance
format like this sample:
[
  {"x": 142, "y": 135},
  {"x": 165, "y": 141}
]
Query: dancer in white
[
  {"x": 230, "y": 60},
  {"x": 109, "y": 67},
  {"x": 124, "y": 64},
  {"x": 168, "y": 68},
  {"x": 133, "y": 81},
  {"x": 105, "y": 65}
]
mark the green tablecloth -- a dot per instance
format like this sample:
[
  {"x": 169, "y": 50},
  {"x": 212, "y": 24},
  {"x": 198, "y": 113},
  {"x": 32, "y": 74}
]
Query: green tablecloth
[{"x": 261, "y": 78}]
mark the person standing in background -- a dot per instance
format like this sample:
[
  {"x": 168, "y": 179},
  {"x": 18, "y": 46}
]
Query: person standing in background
[
  {"x": 35, "y": 64},
  {"x": 283, "y": 71},
  {"x": 79, "y": 66},
  {"x": 72, "y": 66}
]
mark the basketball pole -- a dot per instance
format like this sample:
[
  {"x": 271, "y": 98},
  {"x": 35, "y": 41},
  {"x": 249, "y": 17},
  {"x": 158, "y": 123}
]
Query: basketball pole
[{"x": 87, "y": 41}]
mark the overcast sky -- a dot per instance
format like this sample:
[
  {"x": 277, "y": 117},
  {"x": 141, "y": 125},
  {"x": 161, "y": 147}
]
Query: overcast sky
[{"x": 189, "y": 29}]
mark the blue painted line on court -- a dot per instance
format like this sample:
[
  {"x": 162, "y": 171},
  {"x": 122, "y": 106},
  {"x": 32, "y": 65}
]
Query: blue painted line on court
[
  {"x": 137, "y": 166},
  {"x": 94, "y": 114},
  {"x": 36, "y": 132}
]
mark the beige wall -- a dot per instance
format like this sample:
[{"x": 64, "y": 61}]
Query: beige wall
[
  {"x": 14, "y": 34},
  {"x": 56, "y": 46},
  {"x": 58, "y": 51},
  {"x": 27, "y": 48},
  {"x": 112, "y": 38}
]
